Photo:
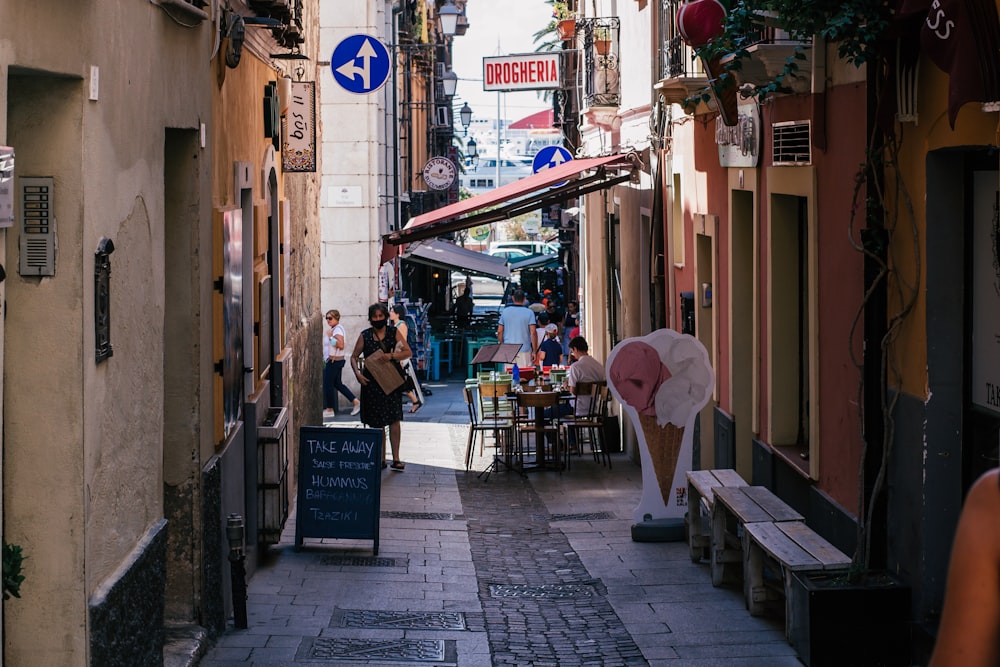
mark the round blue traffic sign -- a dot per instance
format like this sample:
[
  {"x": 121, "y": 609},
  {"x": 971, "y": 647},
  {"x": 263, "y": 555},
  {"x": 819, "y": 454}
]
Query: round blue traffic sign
[
  {"x": 549, "y": 157},
  {"x": 360, "y": 64}
]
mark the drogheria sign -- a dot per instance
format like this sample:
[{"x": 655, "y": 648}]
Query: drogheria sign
[{"x": 525, "y": 71}]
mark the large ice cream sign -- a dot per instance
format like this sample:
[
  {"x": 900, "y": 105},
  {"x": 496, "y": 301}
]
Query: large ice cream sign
[{"x": 662, "y": 381}]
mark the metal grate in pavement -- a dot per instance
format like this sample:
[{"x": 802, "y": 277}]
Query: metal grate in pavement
[
  {"x": 440, "y": 652},
  {"x": 357, "y": 561},
  {"x": 410, "y": 620},
  {"x": 583, "y": 516},
  {"x": 544, "y": 591},
  {"x": 435, "y": 516}
]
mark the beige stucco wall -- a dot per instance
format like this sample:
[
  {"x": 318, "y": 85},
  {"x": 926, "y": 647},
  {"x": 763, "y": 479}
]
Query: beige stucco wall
[{"x": 83, "y": 442}]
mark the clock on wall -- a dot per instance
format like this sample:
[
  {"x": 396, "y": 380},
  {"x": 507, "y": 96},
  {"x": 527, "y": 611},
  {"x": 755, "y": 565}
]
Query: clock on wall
[{"x": 439, "y": 173}]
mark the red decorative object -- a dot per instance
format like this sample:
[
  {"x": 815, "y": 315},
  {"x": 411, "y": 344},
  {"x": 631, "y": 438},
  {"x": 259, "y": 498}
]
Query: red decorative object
[{"x": 701, "y": 21}]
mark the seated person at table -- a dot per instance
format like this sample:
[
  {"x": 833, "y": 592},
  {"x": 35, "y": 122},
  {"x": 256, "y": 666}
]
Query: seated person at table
[
  {"x": 550, "y": 350},
  {"x": 583, "y": 369}
]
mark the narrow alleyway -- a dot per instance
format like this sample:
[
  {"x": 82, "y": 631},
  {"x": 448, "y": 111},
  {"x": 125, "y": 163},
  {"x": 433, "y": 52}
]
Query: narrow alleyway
[{"x": 510, "y": 571}]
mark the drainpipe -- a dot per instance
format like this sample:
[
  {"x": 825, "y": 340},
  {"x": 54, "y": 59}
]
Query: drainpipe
[{"x": 397, "y": 10}]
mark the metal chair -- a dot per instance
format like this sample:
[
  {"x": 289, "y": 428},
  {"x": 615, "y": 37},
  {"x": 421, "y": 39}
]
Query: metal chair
[
  {"x": 590, "y": 427},
  {"x": 501, "y": 429},
  {"x": 535, "y": 424}
]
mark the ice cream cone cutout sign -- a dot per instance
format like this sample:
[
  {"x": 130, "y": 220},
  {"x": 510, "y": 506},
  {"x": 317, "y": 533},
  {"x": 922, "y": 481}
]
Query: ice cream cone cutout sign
[{"x": 662, "y": 380}]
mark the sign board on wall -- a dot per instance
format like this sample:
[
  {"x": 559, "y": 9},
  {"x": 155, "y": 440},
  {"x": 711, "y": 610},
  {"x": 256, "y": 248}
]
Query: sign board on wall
[
  {"x": 525, "y": 71},
  {"x": 299, "y": 150},
  {"x": 985, "y": 367},
  {"x": 739, "y": 145},
  {"x": 344, "y": 196},
  {"x": 340, "y": 475}
]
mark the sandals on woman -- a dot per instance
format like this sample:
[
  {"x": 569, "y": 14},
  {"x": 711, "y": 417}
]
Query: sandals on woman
[
  {"x": 416, "y": 406},
  {"x": 398, "y": 466}
]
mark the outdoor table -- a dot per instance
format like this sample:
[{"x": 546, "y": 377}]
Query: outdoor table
[{"x": 538, "y": 422}]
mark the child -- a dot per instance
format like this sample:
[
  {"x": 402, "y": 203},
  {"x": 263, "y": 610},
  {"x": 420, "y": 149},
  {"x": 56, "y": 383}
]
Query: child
[{"x": 550, "y": 351}]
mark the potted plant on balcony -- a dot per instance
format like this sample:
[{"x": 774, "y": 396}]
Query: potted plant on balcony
[
  {"x": 602, "y": 40},
  {"x": 867, "y": 607},
  {"x": 565, "y": 20}
]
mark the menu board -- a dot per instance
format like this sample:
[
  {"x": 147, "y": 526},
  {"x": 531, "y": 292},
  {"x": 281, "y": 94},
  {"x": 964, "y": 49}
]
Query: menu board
[{"x": 340, "y": 471}]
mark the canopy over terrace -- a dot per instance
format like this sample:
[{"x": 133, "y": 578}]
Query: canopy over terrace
[
  {"x": 447, "y": 255},
  {"x": 522, "y": 196}
]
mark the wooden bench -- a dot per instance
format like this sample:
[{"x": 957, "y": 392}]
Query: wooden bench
[
  {"x": 734, "y": 508},
  {"x": 700, "y": 495},
  {"x": 794, "y": 547}
]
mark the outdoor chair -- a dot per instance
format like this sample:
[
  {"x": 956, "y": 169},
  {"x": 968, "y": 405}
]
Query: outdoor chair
[
  {"x": 501, "y": 430},
  {"x": 532, "y": 425},
  {"x": 589, "y": 428}
]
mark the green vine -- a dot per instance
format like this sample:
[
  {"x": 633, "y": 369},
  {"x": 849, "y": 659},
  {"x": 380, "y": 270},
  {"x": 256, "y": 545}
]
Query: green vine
[
  {"x": 13, "y": 559},
  {"x": 856, "y": 26}
]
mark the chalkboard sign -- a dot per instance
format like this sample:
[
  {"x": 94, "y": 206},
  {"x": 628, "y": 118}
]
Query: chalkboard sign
[{"x": 340, "y": 472}]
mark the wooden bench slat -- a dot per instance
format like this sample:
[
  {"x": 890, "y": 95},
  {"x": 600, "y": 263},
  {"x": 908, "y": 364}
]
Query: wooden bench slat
[
  {"x": 729, "y": 477},
  {"x": 741, "y": 505},
  {"x": 829, "y": 556},
  {"x": 702, "y": 480},
  {"x": 774, "y": 505},
  {"x": 779, "y": 546}
]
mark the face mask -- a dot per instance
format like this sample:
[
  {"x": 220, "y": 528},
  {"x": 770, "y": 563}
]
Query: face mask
[{"x": 377, "y": 324}]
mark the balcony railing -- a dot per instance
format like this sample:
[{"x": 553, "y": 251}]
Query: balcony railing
[{"x": 601, "y": 62}]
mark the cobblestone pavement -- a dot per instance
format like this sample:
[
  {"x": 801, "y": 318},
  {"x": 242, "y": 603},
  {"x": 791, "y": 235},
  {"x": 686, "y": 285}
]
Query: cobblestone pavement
[
  {"x": 507, "y": 571},
  {"x": 542, "y": 607}
]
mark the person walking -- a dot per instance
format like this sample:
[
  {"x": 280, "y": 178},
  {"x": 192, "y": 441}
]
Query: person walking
[
  {"x": 517, "y": 326},
  {"x": 571, "y": 320},
  {"x": 379, "y": 409},
  {"x": 412, "y": 389},
  {"x": 333, "y": 368}
]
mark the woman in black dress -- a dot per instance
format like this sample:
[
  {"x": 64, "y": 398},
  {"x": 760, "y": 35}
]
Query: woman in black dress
[{"x": 379, "y": 409}]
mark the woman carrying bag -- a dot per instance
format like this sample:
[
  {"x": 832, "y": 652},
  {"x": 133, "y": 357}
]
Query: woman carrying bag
[{"x": 381, "y": 344}]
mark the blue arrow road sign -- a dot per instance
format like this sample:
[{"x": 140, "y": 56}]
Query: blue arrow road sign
[
  {"x": 549, "y": 157},
  {"x": 360, "y": 64}
]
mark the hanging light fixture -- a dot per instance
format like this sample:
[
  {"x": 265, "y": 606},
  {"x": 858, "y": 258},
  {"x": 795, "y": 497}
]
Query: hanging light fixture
[
  {"x": 450, "y": 83},
  {"x": 465, "y": 113},
  {"x": 472, "y": 153},
  {"x": 448, "y": 19}
]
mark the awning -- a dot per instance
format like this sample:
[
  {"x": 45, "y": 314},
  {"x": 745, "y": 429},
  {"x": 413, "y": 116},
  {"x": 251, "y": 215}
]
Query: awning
[
  {"x": 522, "y": 196},
  {"x": 535, "y": 262},
  {"x": 447, "y": 255}
]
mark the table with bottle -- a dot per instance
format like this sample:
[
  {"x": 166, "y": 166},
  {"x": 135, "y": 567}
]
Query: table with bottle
[{"x": 550, "y": 387}]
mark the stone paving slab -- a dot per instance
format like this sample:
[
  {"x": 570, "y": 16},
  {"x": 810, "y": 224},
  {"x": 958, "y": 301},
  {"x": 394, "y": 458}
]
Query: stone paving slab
[{"x": 535, "y": 585}]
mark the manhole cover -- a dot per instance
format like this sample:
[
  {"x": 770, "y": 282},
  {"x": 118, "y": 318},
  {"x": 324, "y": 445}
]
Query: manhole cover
[
  {"x": 410, "y": 620},
  {"x": 396, "y": 650},
  {"x": 440, "y": 516},
  {"x": 357, "y": 561},
  {"x": 583, "y": 516},
  {"x": 547, "y": 591}
]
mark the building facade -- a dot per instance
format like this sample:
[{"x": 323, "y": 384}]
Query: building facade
[{"x": 153, "y": 314}]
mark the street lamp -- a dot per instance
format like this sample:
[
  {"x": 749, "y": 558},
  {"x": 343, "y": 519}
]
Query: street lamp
[
  {"x": 465, "y": 113},
  {"x": 472, "y": 153},
  {"x": 448, "y": 19},
  {"x": 450, "y": 83}
]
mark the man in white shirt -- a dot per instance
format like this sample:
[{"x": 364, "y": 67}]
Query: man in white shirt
[{"x": 584, "y": 368}]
